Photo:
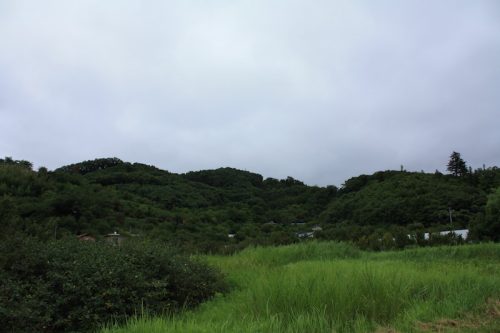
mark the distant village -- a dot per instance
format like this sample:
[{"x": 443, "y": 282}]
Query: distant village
[{"x": 115, "y": 238}]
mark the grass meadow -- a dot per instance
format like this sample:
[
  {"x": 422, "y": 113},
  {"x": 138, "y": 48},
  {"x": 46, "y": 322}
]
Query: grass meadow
[{"x": 332, "y": 287}]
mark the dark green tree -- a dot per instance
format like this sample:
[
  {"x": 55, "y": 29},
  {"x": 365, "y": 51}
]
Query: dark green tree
[
  {"x": 456, "y": 165},
  {"x": 488, "y": 228}
]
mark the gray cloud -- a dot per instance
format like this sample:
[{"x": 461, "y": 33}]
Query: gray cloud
[{"x": 320, "y": 90}]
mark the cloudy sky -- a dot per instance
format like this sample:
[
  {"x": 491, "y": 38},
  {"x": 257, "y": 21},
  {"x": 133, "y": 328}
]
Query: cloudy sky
[{"x": 317, "y": 90}]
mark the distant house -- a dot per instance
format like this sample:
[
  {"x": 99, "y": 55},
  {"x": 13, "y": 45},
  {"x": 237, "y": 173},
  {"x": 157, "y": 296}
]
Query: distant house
[
  {"x": 85, "y": 238},
  {"x": 316, "y": 228},
  {"x": 306, "y": 234},
  {"x": 271, "y": 223},
  {"x": 114, "y": 238},
  {"x": 464, "y": 233},
  {"x": 298, "y": 223}
]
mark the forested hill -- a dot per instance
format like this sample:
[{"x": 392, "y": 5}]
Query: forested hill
[{"x": 226, "y": 209}]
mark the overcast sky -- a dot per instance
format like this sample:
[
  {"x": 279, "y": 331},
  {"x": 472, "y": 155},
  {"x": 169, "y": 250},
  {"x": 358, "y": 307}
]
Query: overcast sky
[{"x": 318, "y": 90}]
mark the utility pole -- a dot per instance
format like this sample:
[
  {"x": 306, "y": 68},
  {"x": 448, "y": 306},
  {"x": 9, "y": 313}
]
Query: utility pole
[{"x": 451, "y": 219}]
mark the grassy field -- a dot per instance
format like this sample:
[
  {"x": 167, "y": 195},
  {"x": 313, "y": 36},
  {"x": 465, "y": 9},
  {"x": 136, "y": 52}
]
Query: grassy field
[{"x": 331, "y": 287}]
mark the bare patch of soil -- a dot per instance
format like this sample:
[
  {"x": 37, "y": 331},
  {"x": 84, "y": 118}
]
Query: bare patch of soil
[
  {"x": 488, "y": 320},
  {"x": 490, "y": 317}
]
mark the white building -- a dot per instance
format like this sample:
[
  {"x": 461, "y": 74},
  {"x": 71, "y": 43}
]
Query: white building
[{"x": 464, "y": 233}]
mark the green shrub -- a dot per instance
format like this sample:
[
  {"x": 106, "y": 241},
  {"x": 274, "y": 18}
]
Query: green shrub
[{"x": 73, "y": 286}]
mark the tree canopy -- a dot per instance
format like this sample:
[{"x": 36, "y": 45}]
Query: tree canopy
[
  {"x": 456, "y": 165},
  {"x": 198, "y": 210}
]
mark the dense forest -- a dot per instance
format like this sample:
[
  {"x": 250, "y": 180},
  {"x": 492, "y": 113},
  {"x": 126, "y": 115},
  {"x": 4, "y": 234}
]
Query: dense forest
[{"x": 226, "y": 209}]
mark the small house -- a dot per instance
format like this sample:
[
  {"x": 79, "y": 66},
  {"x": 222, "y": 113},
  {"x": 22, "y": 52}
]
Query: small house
[
  {"x": 298, "y": 223},
  {"x": 307, "y": 234},
  {"x": 464, "y": 233},
  {"x": 271, "y": 223},
  {"x": 114, "y": 238}
]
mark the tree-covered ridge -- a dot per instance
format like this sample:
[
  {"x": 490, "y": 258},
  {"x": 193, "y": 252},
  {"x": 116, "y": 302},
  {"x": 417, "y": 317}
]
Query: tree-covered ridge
[
  {"x": 91, "y": 165},
  {"x": 403, "y": 198},
  {"x": 199, "y": 210},
  {"x": 226, "y": 177},
  {"x": 99, "y": 196}
]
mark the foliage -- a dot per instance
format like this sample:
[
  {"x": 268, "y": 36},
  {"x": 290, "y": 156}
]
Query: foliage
[
  {"x": 456, "y": 165},
  {"x": 226, "y": 177},
  {"x": 327, "y": 291},
  {"x": 406, "y": 198},
  {"x": 91, "y": 166},
  {"x": 62, "y": 286},
  {"x": 198, "y": 210},
  {"x": 488, "y": 226},
  {"x": 195, "y": 211}
]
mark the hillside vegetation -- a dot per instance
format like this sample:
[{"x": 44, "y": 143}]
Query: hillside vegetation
[
  {"x": 72, "y": 286},
  {"x": 226, "y": 209},
  {"x": 52, "y": 282}
]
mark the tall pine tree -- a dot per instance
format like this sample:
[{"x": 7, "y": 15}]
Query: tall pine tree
[{"x": 456, "y": 165}]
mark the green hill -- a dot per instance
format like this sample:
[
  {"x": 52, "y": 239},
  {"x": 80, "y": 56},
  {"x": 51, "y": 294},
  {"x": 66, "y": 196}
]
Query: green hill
[{"x": 227, "y": 209}]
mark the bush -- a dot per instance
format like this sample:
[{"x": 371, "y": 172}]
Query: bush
[{"x": 73, "y": 286}]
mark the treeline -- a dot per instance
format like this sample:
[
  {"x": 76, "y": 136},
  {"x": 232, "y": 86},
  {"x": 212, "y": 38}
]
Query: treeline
[
  {"x": 381, "y": 210},
  {"x": 227, "y": 209}
]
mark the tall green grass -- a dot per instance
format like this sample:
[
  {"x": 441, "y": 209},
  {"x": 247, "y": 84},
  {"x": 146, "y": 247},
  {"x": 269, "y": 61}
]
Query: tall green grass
[
  {"x": 480, "y": 252},
  {"x": 329, "y": 287}
]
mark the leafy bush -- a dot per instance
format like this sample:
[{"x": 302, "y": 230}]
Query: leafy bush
[{"x": 73, "y": 286}]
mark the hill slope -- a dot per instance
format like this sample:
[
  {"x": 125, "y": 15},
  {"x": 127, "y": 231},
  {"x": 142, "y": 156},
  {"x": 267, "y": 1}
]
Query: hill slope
[{"x": 198, "y": 210}]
